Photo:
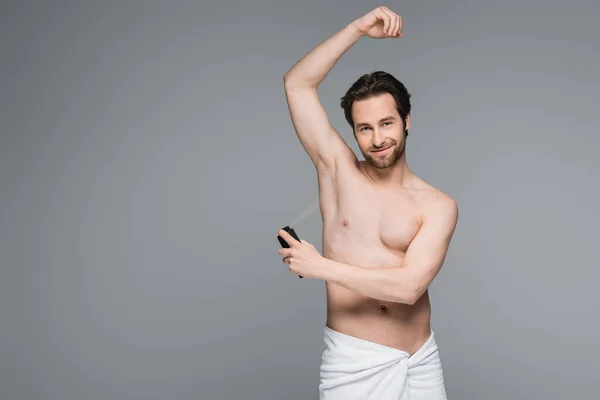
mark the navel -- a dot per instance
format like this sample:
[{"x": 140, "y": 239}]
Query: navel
[{"x": 383, "y": 307}]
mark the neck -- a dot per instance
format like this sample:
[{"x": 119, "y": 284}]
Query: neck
[{"x": 396, "y": 175}]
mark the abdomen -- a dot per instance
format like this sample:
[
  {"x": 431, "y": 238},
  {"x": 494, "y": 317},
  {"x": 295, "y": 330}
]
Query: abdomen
[{"x": 395, "y": 325}]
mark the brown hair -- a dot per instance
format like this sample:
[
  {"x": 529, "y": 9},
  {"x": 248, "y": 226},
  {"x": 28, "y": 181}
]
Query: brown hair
[{"x": 373, "y": 84}]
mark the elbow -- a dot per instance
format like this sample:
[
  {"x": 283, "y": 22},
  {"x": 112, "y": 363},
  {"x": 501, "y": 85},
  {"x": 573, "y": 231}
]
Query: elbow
[
  {"x": 402, "y": 296},
  {"x": 288, "y": 79},
  {"x": 408, "y": 287},
  {"x": 415, "y": 291},
  {"x": 414, "y": 295},
  {"x": 291, "y": 82},
  {"x": 407, "y": 294},
  {"x": 412, "y": 298},
  {"x": 407, "y": 298}
]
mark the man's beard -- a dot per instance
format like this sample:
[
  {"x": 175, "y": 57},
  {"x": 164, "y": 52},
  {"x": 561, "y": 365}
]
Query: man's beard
[{"x": 387, "y": 161}]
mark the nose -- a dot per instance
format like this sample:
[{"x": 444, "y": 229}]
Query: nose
[{"x": 378, "y": 138}]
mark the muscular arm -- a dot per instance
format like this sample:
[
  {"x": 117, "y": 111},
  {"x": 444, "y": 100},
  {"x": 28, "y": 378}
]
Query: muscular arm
[
  {"x": 312, "y": 69},
  {"x": 422, "y": 262},
  {"x": 319, "y": 139}
]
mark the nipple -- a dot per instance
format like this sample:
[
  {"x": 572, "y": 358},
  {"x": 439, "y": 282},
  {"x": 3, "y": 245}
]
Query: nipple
[{"x": 345, "y": 222}]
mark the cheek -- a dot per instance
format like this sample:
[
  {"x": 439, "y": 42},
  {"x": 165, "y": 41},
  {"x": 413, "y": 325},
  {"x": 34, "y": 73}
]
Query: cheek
[{"x": 396, "y": 132}]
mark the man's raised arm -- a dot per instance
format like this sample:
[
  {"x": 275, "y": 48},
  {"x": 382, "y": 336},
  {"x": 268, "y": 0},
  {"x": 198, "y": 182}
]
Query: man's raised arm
[{"x": 320, "y": 140}]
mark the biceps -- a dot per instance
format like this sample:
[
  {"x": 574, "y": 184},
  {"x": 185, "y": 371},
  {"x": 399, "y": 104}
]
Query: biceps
[
  {"x": 313, "y": 128},
  {"x": 429, "y": 248}
]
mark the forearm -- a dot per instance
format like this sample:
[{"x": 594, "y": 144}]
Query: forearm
[
  {"x": 312, "y": 69},
  {"x": 387, "y": 284}
]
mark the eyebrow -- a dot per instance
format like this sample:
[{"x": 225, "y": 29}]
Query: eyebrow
[{"x": 384, "y": 119}]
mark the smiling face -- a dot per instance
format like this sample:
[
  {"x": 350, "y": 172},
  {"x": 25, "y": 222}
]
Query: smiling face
[{"x": 379, "y": 130}]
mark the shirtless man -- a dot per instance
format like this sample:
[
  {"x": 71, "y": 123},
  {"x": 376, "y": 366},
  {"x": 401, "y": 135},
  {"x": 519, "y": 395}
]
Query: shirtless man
[{"x": 385, "y": 231}]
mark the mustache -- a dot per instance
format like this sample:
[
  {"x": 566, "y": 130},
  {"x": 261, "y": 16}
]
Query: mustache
[{"x": 383, "y": 147}]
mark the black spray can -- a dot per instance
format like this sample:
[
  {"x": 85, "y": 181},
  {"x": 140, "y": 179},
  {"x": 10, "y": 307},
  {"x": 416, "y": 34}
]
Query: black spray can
[{"x": 284, "y": 243}]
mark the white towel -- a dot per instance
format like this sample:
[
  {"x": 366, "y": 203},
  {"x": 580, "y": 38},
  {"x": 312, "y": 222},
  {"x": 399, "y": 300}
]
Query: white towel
[{"x": 357, "y": 369}]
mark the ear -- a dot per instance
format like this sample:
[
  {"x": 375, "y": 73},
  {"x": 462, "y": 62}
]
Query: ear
[{"x": 407, "y": 127}]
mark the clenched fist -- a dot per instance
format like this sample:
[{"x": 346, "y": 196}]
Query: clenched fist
[
  {"x": 380, "y": 23},
  {"x": 302, "y": 257}
]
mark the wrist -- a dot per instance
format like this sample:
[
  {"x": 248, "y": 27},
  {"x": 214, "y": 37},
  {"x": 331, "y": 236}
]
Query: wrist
[
  {"x": 329, "y": 270},
  {"x": 353, "y": 26}
]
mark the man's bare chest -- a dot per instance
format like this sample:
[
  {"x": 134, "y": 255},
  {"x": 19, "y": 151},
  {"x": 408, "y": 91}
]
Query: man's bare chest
[
  {"x": 357, "y": 214},
  {"x": 372, "y": 219}
]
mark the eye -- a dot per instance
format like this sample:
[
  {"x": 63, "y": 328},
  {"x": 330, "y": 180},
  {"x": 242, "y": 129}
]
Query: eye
[{"x": 387, "y": 123}]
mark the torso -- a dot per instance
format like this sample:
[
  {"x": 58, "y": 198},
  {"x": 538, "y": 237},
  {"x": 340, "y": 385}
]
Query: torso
[{"x": 368, "y": 226}]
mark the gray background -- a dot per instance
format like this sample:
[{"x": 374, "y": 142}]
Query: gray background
[{"x": 147, "y": 160}]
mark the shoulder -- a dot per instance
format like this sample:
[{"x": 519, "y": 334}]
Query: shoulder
[
  {"x": 439, "y": 200},
  {"x": 437, "y": 204},
  {"x": 441, "y": 214}
]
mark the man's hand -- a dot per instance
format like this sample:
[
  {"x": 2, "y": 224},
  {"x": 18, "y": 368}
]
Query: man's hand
[
  {"x": 302, "y": 257},
  {"x": 380, "y": 23}
]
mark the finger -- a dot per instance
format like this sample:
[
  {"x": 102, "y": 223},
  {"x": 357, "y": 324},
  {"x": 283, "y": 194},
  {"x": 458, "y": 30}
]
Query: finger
[
  {"x": 391, "y": 21},
  {"x": 286, "y": 260},
  {"x": 398, "y": 27},
  {"x": 288, "y": 238},
  {"x": 285, "y": 252},
  {"x": 393, "y": 24},
  {"x": 290, "y": 268},
  {"x": 386, "y": 21},
  {"x": 397, "y": 21},
  {"x": 394, "y": 31},
  {"x": 381, "y": 15},
  {"x": 399, "y": 31},
  {"x": 304, "y": 242}
]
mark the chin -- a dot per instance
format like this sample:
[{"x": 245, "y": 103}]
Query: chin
[
  {"x": 382, "y": 163},
  {"x": 378, "y": 162}
]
